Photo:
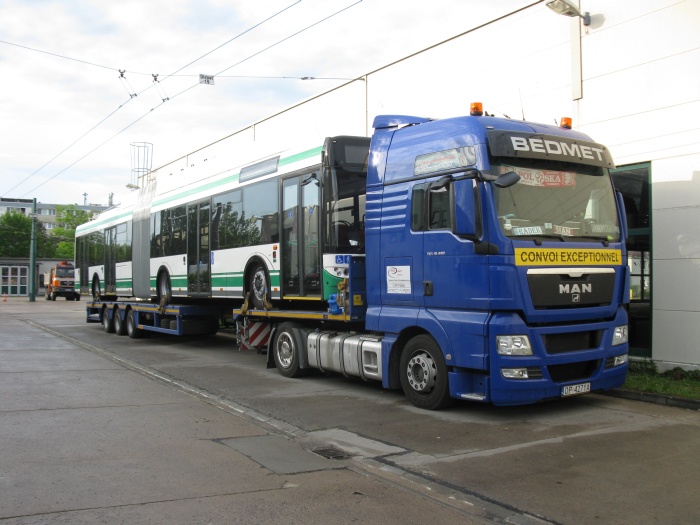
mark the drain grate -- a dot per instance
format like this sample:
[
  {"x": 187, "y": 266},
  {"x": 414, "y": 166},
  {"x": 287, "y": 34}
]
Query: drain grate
[{"x": 331, "y": 452}]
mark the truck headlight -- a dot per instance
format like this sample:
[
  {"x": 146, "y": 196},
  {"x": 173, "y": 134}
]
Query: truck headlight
[
  {"x": 620, "y": 335},
  {"x": 513, "y": 345}
]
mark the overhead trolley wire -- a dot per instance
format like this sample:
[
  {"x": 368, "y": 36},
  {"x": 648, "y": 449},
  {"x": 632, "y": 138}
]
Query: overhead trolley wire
[
  {"x": 197, "y": 84},
  {"x": 129, "y": 91}
]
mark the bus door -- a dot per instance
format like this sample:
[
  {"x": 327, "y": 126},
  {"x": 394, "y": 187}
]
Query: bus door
[
  {"x": 110, "y": 260},
  {"x": 301, "y": 258},
  {"x": 198, "y": 252}
]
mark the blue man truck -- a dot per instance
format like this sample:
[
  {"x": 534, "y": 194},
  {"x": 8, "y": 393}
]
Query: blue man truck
[{"x": 474, "y": 258}]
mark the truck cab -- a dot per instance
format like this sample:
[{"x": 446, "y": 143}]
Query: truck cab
[
  {"x": 501, "y": 244},
  {"x": 59, "y": 281}
]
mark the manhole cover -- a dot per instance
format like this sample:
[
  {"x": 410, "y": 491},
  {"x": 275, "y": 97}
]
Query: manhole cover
[{"x": 331, "y": 453}]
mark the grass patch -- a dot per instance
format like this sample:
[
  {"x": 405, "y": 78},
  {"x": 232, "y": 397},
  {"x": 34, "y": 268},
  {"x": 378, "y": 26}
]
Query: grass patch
[{"x": 643, "y": 376}]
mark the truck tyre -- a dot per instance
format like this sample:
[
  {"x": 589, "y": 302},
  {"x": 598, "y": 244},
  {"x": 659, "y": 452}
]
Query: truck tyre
[
  {"x": 107, "y": 321},
  {"x": 47, "y": 294},
  {"x": 53, "y": 296},
  {"x": 131, "y": 327},
  {"x": 285, "y": 349},
  {"x": 119, "y": 323},
  {"x": 424, "y": 374},
  {"x": 77, "y": 297},
  {"x": 258, "y": 286},
  {"x": 164, "y": 288}
]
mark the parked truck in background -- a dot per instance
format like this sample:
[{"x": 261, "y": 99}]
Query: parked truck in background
[{"x": 59, "y": 281}]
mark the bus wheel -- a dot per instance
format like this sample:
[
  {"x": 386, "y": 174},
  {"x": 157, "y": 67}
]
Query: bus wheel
[
  {"x": 119, "y": 323},
  {"x": 165, "y": 291},
  {"x": 107, "y": 321},
  {"x": 131, "y": 327},
  {"x": 96, "y": 289},
  {"x": 258, "y": 286},
  {"x": 285, "y": 350},
  {"x": 424, "y": 374}
]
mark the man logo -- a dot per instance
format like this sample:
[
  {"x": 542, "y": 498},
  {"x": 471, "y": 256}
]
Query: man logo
[
  {"x": 576, "y": 298},
  {"x": 575, "y": 288}
]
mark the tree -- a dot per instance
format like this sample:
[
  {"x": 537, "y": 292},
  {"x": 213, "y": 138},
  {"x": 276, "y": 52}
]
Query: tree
[
  {"x": 68, "y": 218},
  {"x": 16, "y": 234}
]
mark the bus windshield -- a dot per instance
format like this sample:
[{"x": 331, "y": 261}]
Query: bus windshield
[
  {"x": 344, "y": 189},
  {"x": 557, "y": 200}
]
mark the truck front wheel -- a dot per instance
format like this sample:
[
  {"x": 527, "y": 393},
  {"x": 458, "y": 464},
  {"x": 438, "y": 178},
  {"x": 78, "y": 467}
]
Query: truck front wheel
[
  {"x": 285, "y": 349},
  {"x": 424, "y": 374}
]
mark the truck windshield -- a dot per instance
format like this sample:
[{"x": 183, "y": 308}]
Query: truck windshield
[
  {"x": 557, "y": 200},
  {"x": 65, "y": 272}
]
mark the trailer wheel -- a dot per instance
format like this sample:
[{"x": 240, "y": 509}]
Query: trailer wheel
[
  {"x": 119, "y": 323},
  {"x": 131, "y": 327},
  {"x": 424, "y": 374},
  {"x": 107, "y": 321},
  {"x": 285, "y": 349},
  {"x": 258, "y": 286}
]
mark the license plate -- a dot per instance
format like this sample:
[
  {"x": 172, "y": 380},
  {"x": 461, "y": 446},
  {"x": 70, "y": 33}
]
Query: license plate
[{"x": 573, "y": 390}]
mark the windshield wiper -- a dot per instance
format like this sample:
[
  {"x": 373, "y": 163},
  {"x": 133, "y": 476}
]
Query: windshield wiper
[{"x": 538, "y": 241}]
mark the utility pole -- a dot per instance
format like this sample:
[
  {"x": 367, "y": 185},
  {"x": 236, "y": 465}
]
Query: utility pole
[{"x": 32, "y": 256}]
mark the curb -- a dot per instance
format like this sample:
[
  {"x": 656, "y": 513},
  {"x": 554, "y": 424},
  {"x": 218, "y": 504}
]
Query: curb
[{"x": 678, "y": 402}]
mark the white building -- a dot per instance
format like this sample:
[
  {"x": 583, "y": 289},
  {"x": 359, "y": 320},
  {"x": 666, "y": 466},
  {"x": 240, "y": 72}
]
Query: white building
[{"x": 630, "y": 79}]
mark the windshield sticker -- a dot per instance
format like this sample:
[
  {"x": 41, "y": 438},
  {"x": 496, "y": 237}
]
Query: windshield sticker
[
  {"x": 563, "y": 230},
  {"x": 543, "y": 178},
  {"x": 530, "y": 230},
  {"x": 604, "y": 228}
]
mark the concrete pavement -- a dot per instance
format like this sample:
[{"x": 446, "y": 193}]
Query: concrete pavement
[{"x": 85, "y": 440}]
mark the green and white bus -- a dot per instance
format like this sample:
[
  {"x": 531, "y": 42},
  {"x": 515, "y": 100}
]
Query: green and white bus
[{"x": 274, "y": 228}]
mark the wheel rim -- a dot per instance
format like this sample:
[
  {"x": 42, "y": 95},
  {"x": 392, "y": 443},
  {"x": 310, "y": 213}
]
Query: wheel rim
[
  {"x": 421, "y": 373},
  {"x": 285, "y": 350},
  {"x": 259, "y": 285}
]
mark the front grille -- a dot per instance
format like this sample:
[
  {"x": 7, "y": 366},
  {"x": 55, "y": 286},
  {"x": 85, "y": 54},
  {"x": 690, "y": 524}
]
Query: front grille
[
  {"x": 571, "y": 342},
  {"x": 534, "y": 372},
  {"x": 573, "y": 371}
]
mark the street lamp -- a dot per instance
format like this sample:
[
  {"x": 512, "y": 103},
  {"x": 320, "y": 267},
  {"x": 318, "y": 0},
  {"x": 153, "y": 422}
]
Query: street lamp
[{"x": 567, "y": 8}]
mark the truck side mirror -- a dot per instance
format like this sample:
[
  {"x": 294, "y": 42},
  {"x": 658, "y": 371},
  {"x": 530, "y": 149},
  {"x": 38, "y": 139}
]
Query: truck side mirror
[
  {"x": 507, "y": 180},
  {"x": 466, "y": 209}
]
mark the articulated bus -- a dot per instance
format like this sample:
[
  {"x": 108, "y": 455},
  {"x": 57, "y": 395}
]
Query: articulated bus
[{"x": 272, "y": 229}]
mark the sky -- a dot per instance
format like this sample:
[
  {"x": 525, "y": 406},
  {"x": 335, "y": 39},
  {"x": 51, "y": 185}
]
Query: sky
[{"x": 78, "y": 88}]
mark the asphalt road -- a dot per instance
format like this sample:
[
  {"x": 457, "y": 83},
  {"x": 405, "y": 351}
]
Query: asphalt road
[{"x": 588, "y": 459}]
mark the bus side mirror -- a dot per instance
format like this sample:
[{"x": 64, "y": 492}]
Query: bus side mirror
[{"x": 466, "y": 208}]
